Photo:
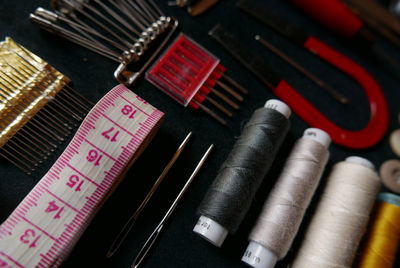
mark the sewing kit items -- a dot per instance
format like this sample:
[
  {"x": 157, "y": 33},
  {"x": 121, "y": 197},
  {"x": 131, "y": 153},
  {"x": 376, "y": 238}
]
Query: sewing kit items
[
  {"x": 383, "y": 236},
  {"x": 131, "y": 33},
  {"x": 46, "y": 225},
  {"x": 282, "y": 213},
  {"x": 394, "y": 141},
  {"x": 333, "y": 92},
  {"x": 38, "y": 110},
  {"x": 390, "y": 174},
  {"x": 231, "y": 194},
  {"x": 189, "y": 74},
  {"x": 128, "y": 226},
  {"x": 153, "y": 237},
  {"x": 341, "y": 217},
  {"x": 337, "y": 17},
  {"x": 377, "y": 17},
  {"x": 367, "y": 137}
]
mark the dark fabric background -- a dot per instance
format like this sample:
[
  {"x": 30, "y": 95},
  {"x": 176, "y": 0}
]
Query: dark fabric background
[{"x": 178, "y": 246}]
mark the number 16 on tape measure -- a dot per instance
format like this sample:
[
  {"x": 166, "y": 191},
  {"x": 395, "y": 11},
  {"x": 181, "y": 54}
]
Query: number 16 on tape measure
[{"x": 46, "y": 225}]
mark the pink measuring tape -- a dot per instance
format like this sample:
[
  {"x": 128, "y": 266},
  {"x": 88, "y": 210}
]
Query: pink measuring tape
[{"x": 46, "y": 225}]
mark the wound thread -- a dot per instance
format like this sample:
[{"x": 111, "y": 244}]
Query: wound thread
[
  {"x": 284, "y": 209},
  {"x": 382, "y": 241},
  {"x": 230, "y": 196},
  {"x": 341, "y": 217}
]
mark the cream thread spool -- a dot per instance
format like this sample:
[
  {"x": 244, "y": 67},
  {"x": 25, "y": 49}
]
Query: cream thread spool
[
  {"x": 284, "y": 209},
  {"x": 341, "y": 217},
  {"x": 212, "y": 230}
]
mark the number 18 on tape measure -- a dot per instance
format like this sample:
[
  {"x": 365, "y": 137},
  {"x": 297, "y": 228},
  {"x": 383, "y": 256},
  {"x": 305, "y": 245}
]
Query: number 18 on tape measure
[{"x": 46, "y": 225}]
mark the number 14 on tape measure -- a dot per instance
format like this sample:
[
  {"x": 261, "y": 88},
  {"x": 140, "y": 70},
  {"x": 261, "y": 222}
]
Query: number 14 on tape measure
[{"x": 46, "y": 225}]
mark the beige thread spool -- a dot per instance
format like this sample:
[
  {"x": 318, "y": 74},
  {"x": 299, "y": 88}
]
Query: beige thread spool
[{"x": 341, "y": 217}]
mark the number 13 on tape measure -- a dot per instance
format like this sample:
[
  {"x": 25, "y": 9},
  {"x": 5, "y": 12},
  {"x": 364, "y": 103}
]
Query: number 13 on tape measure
[{"x": 46, "y": 225}]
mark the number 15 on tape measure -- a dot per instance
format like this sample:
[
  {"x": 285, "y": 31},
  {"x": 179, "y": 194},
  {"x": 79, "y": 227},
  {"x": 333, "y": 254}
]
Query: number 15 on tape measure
[{"x": 46, "y": 225}]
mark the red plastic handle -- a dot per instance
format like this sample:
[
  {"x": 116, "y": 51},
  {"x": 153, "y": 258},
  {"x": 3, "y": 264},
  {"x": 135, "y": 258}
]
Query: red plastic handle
[
  {"x": 378, "y": 123},
  {"x": 332, "y": 14}
]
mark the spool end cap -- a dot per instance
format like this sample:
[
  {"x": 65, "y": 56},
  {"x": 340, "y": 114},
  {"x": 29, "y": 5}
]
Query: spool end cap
[
  {"x": 279, "y": 106},
  {"x": 318, "y": 135},
  {"x": 211, "y": 230},
  {"x": 360, "y": 161},
  {"x": 258, "y": 256}
]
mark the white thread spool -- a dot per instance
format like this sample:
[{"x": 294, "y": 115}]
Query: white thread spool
[
  {"x": 211, "y": 230},
  {"x": 341, "y": 217},
  {"x": 261, "y": 251}
]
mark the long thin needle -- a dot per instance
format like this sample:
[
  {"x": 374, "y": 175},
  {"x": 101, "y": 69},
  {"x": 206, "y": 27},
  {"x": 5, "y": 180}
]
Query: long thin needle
[
  {"x": 336, "y": 95},
  {"x": 153, "y": 237},
  {"x": 129, "y": 224}
]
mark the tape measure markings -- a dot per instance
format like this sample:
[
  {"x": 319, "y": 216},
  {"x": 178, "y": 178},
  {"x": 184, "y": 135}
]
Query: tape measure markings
[
  {"x": 67, "y": 191},
  {"x": 3, "y": 264}
]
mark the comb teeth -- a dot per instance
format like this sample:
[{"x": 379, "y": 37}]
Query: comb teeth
[
  {"x": 189, "y": 74},
  {"x": 38, "y": 110}
]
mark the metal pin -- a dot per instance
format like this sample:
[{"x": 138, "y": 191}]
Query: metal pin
[
  {"x": 335, "y": 94},
  {"x": 83, "y": 108},
  {"x": 101, "y": 15},
  {"x": 71, "y": 93},
  {"x": 229, "y": 90},
  {"x": 148, "y": 11},
  {"x": 39, "y": 92},
  {"x": 82, "y": 41},
  {"x": 46, "y": 129},
  {"x": 57, "y": 119},
  {"x": 171, "y": 70},
  {"x": 17, "y": 162},
  {"x": 81, "y": 27},
  {"x": 68, "y": 111},
  {"x": 31, "y": 135},
  {"x": 49, "y": 121},
  {"x": 129, "y": 224},
  {"x": 201, "y": 106},
  {"x": 118, "y": 18},
  {"x": 224, "y": 98},
  {"x": 219, "y": 106},
  {"x": 35, "y": 158},
  {"x": 28, "y": 162},
  {"x": 71, "y": 107},
  {"x": 132, "y": 14},
  {"x": 210, "y": 113},
  {"x": 234, "y": 83},
  {"x": 216, "y": 92},
  {"x": 70, "y": 121},
  {"x": 103, "y": 26},
  {"x": 43, "y": 133},
  {"x": 29, "y": 129},
  {"x": 153, "y": 237},
  {"x": 30, "y": 145},
  {"x": 82, "y": 99}
]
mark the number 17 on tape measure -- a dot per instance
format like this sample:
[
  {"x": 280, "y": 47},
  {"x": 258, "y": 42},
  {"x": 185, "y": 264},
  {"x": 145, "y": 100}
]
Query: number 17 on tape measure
[{"x": 46, "y": 225}]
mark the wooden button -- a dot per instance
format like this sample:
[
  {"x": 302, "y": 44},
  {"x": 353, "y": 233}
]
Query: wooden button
[{"x": 390, "y": 174}]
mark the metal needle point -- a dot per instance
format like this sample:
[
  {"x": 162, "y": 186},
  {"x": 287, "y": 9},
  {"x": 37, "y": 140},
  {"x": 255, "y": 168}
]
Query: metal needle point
[
  {"x": 129, "y": 224},
  {"x": 335, "y": 94},
  {"x": 153, "y": 237}
]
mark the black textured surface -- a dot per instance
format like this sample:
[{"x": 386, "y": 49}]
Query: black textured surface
[
  {"x": 231, "y": 194},
  {"x": 178, "y": 246}
]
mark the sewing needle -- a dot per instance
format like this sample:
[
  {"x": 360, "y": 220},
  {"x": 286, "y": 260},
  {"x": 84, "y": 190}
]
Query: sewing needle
[
  {"x": 129, "y": 224},
  {"x": 335, "y": 94},
  {"x": 153, "y": 237}
]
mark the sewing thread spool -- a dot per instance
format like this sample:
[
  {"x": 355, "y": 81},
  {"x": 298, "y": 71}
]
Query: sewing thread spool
[
  {"x": 284, "y": 209},
  {"x": 382, "y": 242},
  {"x": 341, "y": 217},
  {"x": 230, "y": 196}
]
